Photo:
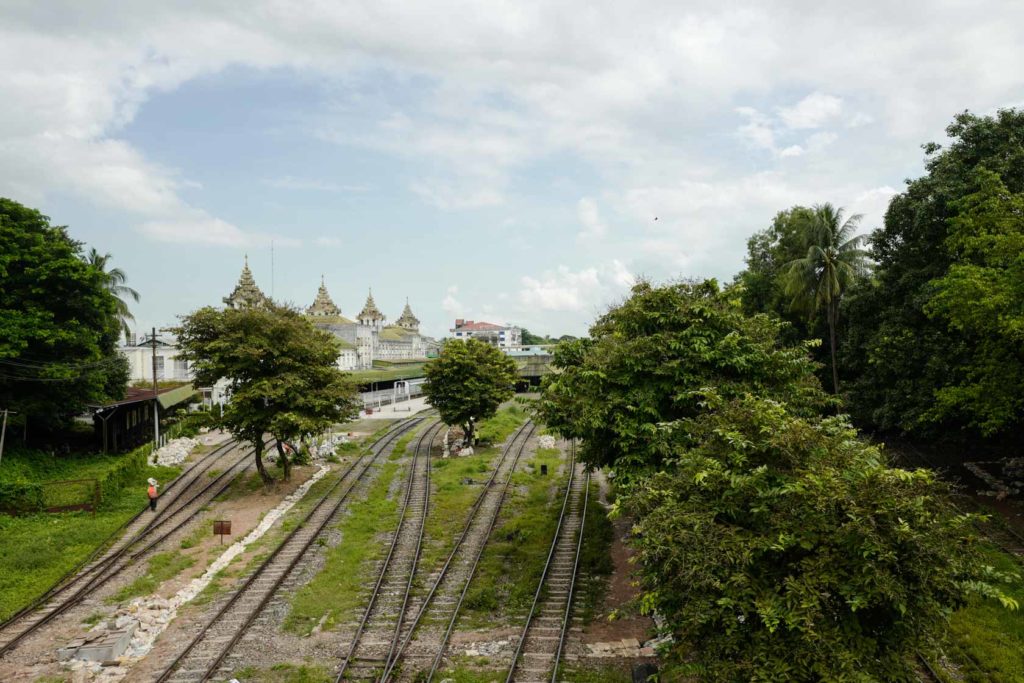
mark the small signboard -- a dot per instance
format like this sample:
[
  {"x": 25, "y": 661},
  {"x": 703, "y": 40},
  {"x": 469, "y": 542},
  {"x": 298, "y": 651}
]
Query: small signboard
[{"x": 222, "y": 528}]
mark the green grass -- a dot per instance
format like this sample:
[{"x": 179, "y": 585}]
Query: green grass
[
  {"x": 468, "y": 672},
  {"x": 196, "y": 537},
  {"x": 286, "y": 673},
  {"x": 498, "y": 428},
  {"x": 162, "y": 566},
  {"x": 93, "y": 618},
  {"x": 38, "y": 549},
  {"x": 598, "y": 673},
  {"x": 338, "y": 590},
  {"x": 513, "y": 561},
  {"x": 987, "y": 641}
]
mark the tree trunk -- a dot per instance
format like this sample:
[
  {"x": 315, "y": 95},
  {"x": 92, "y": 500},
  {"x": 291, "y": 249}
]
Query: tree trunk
[
  {"x": 468, "y": 437},
  {"x": 264, "y": 475},
  {"x": 833, "y": 314},
  {"x": 285, "y": 462}
]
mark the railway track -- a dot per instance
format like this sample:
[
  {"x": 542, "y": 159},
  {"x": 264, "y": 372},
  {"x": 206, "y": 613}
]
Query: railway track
[
  {"x": 194, "y": 489},
  {"x": 539, "y": 650},
  {"x": 449, "y": 587},
  {"x": 204, "y": 655},
  {"x": 376, "y": 636}
]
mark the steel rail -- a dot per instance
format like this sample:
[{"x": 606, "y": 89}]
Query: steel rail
[
  {"x": 567, "y": 619},
  {"x": 427, "y": 437},
  {"x": 547, "y": 567},
  {"x": 379, "y": 447},
  {"x": 107, "y": 568},
  {"x": 107, "y": 543},
  {"x": 527, "y": 428}
]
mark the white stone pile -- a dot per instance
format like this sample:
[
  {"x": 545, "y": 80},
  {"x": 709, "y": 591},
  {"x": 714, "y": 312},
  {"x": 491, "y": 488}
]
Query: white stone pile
[
  {"x": 325, "y": 447},
  {"x": 546, "y": 441},
  {"x": 489, "y": 648},
  {"x": 152, "y": 614},
  {"x": 175, "y": 451}
]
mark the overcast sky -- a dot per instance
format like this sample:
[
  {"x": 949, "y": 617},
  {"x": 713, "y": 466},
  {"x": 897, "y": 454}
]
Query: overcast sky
[{"x": 505, "y": 161}]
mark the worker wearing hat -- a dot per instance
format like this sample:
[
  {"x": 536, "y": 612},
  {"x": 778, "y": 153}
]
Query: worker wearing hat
[{"x": 153, "y": 494}]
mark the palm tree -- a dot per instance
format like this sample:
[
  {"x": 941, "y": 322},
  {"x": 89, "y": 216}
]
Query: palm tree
[
  {"x": 834, "y": 260},
  {"x": 114, "y": 280}
]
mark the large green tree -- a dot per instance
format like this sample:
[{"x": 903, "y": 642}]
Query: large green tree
[
  {"x": 58, "y": 322},
  {"x": 650, "y": 360},
  {"x": 833, "y": 261},
  {"x": 982, "y": 297},
  {"x": 899, "y": 350},
  {"x": 468, "y": 381},
  {"x": 282, "y": 374},
  {"x": 115, "y": 279},
  {"x": 782, "y": 548}
]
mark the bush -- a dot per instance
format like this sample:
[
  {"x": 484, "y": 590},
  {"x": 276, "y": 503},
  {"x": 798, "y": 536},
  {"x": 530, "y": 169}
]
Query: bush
[
  {"x": 21, "y": 496},
  {"x": 787, "y": 550}
]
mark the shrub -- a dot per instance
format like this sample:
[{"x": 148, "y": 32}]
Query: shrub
[{"x": 787, "y": 549}]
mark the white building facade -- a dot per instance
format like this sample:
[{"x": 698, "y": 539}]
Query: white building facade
[{"x": 502, "y": 336}]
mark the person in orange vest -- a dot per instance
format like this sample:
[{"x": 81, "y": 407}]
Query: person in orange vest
[{"x": 153, "y": 494}]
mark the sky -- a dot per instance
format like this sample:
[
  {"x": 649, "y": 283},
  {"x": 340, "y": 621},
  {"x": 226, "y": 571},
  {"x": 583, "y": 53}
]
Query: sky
[{"x": 516, "y": 162}]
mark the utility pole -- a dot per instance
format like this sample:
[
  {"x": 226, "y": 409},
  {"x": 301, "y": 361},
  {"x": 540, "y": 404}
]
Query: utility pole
[
  {"x": 3, "y": 432},
  {"x": 156, "y": 410}
]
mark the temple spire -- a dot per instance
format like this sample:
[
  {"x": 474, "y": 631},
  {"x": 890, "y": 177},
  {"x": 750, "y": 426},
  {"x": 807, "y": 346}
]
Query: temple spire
[
  {"x": 246, "y": 293},
  {"x": 407, "y": 319},
  {"x": 370, "y": 313},
  {"x": 323, "y": 305}
]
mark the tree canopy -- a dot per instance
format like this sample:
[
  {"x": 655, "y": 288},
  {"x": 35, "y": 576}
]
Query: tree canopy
[
  {"x": 650, "y": 361},
  {"x": 915, "y": 364},
  {"x": 59, "y": 324},
  {"x": 775, "y": 543},
  {"x": 281, "y": 371},
  {"x": 468, "y": 381},
  {"x": 782, "y": 548}
]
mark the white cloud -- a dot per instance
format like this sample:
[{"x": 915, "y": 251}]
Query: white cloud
[
  {"x": 197, "y": 227},
  {"x": 757, "y": 131},
  {"x": 444, "y": 196},
  {"x": 452, "y": 307},
  {"x": 325, "y": 241},
  {"x": 813, "y": 111},
  {"x": 791, "y": 151},
  {"x": 594, "y": 227},
  {"x": 292, "y": 183},
  {"x": 576, "y": 291}
]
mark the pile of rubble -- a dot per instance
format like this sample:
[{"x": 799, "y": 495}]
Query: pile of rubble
[
  {"x": 175, "y": 452},
  {"x": 326, "y": 446},
  {"x": 546, "y": 441},
  {"x": 489, "y": 648}
]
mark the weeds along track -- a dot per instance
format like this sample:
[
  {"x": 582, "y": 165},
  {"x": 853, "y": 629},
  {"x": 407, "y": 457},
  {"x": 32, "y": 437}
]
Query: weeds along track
[
  {"x": 376, "y": 636},
  {"x": 203, "y": 656},
  {"x": 448, "y": 589},
  {"x": 999, "y": 533},
  {"x": 180, "y": 502},
  {"x": 539, "y": 650}
]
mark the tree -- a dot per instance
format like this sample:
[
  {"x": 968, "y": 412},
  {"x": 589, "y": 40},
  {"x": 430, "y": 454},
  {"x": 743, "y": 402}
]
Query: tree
[
  {"x": 982, "y": 296},
  {"x": 467, "y": 383},
  {"x": 782, "y": 548},
  {"x": 833, "y": 260},
  {"x": 115, "y": 280},
  {"x": 281, "y": 371},
  {"x": 897, "y": 355},
  {"x": 58, "y": 324},
  {"x": 649, "y": 361}
]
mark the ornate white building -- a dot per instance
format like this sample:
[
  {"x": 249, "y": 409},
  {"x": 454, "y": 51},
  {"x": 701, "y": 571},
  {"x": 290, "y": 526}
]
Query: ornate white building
[{"x": 364, "y": 340}]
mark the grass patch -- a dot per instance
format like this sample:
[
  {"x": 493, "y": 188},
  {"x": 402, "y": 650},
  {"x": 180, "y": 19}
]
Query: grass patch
[
  {"x": 38, "y": 549},
  {"x": 513, "y": 561},
  {"x": 602, "y": 673},
  {"x": 338, "y": 590},
  {"x": 196, "y": 537},
  {"x": 986, "y": 640},
  {"x": 94, "y": 618},
  {"x": 466, "y": 672},
  {"x": 286, "y": 673},
  {"x": 498, "y": 428},
  {"x": 242, "y": 486},
  {"x": 162, "y": 566}
]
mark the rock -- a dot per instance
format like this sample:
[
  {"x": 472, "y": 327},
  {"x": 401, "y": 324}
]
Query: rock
[{"x": 546, "y": 441}]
